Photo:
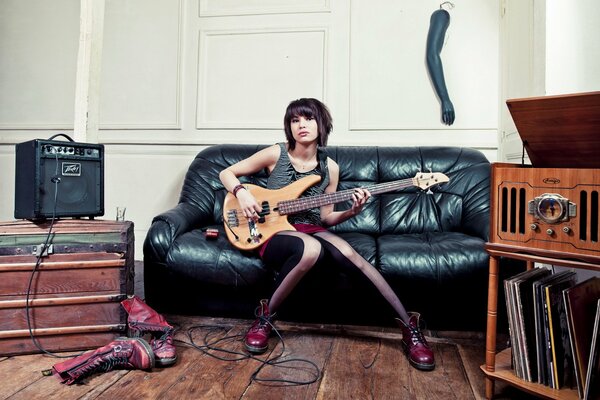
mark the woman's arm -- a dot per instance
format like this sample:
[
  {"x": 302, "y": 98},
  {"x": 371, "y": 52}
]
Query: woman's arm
[
  {"x": 360, "y": 197},
  {"x": 265, "y": 158}
]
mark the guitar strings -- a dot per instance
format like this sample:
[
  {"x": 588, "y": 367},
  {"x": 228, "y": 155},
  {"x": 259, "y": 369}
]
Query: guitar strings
[{"x": 299, "y": 204}]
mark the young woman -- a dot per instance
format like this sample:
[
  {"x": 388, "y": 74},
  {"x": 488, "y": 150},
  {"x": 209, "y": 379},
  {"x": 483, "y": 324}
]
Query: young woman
[{"x": 307, "y": 124}]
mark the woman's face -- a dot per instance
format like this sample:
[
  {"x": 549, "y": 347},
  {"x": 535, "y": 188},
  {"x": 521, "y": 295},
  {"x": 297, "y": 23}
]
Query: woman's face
[{"x": 304, "y": 129}]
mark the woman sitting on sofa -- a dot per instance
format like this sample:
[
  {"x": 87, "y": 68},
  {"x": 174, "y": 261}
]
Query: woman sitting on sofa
[{"x": 307, "y": 124}]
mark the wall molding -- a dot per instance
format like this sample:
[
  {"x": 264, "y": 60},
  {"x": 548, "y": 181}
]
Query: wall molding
[{"x": 217, "y": 8}]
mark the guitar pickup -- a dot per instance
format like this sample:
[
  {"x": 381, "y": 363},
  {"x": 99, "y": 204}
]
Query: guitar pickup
[{"x": 266, "y": 208}]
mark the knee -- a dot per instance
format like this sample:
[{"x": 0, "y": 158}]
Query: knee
[
  {"x": 348, "y": 252},
  {"x": 313, "y": 252}
]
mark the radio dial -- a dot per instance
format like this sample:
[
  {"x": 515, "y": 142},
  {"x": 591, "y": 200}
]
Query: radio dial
[{"x": 552, "y": 208}]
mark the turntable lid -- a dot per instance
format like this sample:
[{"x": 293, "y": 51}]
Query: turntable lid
[{"x": 559, "y": 131}]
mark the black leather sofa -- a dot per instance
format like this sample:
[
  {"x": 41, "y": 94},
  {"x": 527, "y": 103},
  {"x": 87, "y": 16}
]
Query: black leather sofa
[{"x": 429, "y": 245}]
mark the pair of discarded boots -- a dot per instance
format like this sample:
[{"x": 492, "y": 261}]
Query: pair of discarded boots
[
  {"x": 126, "y": 353},
  {"x": 415, "y": 346}
]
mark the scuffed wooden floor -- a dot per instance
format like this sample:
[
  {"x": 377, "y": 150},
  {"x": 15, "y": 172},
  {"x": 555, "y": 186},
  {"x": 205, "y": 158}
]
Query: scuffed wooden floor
[{"x": 353, "y": 363}]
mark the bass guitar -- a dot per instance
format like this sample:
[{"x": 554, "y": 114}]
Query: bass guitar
[{"x": 247, "y": 234}]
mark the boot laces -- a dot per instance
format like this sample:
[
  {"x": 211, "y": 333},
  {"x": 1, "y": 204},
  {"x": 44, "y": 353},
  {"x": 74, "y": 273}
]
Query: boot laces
[
  {"x": 103, "y": 365},
  {"x": 140, "y": 328},
  {"x": 262, "y": 319},
  {"x": 416, "y": 335},
  {"x": 165, "y": 338}
]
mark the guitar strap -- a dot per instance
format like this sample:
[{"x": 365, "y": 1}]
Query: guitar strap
[{"x": 322, "y": 158}]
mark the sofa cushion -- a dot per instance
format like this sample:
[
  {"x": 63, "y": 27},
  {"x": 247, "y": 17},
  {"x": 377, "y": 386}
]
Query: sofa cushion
[{"x": 215, "y": 261}]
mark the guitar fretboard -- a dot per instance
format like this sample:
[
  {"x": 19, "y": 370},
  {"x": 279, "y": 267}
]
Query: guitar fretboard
[{"x": 306, "y": 203}]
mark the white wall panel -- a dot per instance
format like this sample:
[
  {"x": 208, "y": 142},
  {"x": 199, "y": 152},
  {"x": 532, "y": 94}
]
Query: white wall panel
[
  {"x": 146, "y": 180},
  {"x": 38, "y": 59},
  {"x": 246, "y": 78},
  {"x": 389, "y": 82},
  {"x": 249, "y": 7},
  {"x": 140, "y": 81}
]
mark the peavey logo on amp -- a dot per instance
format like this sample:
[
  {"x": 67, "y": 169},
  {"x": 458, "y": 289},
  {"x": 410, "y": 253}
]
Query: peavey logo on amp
[{"x": 71, "y": 169}]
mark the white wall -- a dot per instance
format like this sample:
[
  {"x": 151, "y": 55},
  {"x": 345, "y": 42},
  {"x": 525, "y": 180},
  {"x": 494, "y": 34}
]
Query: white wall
[
  {"x": 178, "y": 75},
  {"x": 572, "y": 46},
  {"x": 548, "y": 47}
]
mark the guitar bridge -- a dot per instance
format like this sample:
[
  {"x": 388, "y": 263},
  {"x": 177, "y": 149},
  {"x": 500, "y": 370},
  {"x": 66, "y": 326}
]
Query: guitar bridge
[{"x": 255, "y": 235}]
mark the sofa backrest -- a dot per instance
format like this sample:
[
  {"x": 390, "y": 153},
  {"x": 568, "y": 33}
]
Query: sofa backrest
[{"x": 462, "y": 204}]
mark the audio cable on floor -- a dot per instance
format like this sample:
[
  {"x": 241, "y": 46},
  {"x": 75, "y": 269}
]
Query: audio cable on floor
[{"x": 213, "y": 347}]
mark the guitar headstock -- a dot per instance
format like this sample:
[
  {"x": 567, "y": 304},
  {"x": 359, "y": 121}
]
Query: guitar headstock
[{"x": 425, "y": 180}]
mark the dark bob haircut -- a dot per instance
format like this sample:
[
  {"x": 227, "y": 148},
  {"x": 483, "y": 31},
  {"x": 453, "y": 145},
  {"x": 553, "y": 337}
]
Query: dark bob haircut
[{"x": 308, "y": 108}]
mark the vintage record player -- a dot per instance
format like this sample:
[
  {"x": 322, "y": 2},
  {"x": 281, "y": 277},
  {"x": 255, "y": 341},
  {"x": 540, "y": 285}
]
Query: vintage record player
[{"x": 550, "y": 208}]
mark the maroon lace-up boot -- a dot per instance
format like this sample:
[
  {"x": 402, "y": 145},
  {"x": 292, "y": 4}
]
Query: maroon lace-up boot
[
  {"x": 143, "y": 319},
  {"x": 418, "y": 351},
  {"x": 257, "y": 337},
  {"x": 123, "y": 353}
]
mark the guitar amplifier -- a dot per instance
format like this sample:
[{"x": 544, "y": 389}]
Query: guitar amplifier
[{"x": 551, "y": 208}]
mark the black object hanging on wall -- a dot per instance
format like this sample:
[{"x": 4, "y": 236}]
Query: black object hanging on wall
[
  {"x": 440, "y": 19},
  {"x": 59, "y": 178}
]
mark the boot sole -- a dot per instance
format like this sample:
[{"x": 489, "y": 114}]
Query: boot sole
[
  {"x": 421, "y": 367},
  {"x": 256, "y": 350},
  {"x": 165, "y": 362},
  {"x": 146, "y": 346}
]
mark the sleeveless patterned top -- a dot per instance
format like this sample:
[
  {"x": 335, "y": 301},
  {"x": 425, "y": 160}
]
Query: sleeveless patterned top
[{"x": 284, "y": 173}]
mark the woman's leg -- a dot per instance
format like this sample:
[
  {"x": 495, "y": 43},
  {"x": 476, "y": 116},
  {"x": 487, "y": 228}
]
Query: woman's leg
[
  {"x": 418, "y": 351},
  {"x": 346, "y": 257},
  {"x": 293, "y": 254}
]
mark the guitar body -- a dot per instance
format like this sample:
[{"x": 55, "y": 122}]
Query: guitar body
[{"x": 247, "y": 234}]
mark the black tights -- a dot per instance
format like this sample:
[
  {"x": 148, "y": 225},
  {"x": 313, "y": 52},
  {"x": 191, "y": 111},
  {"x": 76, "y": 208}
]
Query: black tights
[{"x": 295, "y": 254}]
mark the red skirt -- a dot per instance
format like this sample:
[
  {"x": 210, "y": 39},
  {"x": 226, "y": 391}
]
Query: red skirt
[{"x": 304, "y": 228}]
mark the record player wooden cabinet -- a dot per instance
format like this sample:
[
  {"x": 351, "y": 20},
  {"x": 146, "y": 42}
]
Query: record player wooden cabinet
[{"x": 546, "y": 212}]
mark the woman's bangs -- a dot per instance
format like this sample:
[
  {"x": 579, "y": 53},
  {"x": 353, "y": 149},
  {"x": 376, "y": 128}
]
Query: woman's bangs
[{"x": 302, "y": 109}]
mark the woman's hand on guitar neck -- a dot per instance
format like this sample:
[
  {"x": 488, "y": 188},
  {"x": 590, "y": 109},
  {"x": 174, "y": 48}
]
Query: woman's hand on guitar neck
[
  {"x": 360, "y": 197},
  {"x": 248, "y": 204}
]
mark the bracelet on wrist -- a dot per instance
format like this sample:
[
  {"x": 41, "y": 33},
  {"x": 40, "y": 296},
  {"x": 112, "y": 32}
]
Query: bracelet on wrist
[{"x": 237, "y": 189}]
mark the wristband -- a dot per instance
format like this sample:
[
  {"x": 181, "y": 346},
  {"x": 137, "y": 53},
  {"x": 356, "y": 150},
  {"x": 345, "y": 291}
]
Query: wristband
[{"x": 237, "y": 189}]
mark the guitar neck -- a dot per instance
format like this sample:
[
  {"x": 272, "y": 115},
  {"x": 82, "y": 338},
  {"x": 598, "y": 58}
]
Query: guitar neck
[{"x": 306, "y": 203}]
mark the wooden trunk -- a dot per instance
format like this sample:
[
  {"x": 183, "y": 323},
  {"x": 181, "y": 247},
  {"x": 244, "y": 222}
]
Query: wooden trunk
[{"x": 70, "y": 298}]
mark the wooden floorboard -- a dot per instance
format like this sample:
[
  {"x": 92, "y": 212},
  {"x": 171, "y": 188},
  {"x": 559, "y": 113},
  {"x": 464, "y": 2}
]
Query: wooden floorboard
[{"x": 352, "y": 362}]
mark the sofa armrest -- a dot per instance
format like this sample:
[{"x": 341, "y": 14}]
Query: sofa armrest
[
  {"x": 168, "y": 226},
  {"x": 476, "y": 219}
]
